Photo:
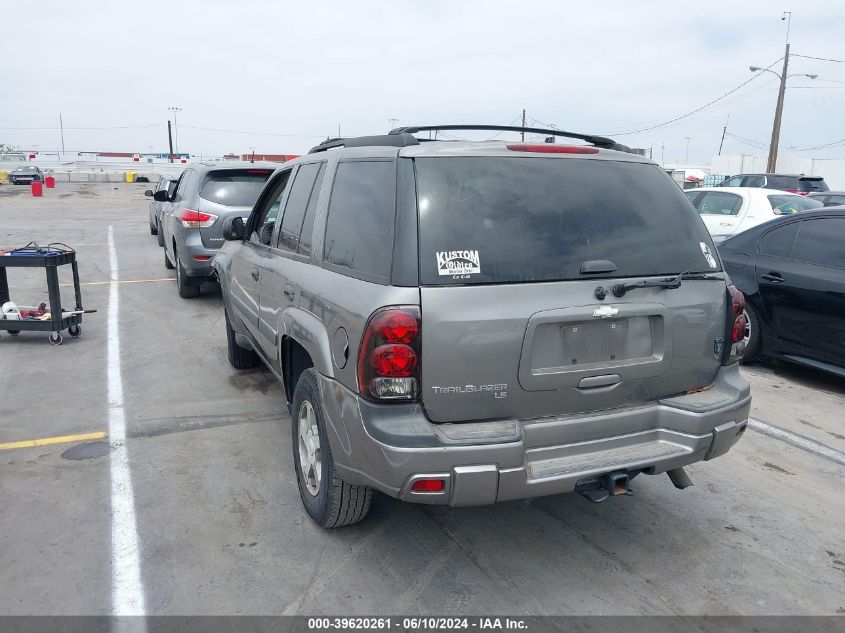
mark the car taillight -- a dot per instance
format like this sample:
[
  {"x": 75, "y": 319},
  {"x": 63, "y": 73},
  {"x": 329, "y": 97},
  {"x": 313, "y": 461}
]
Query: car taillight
[
  {"x": 798, "y": 191},
  {"x": 388, "y": 363},
  {"x": 551, "y": 148},
  {"x": 737, "y": 324},
  {"x": 196, "y": 219}
]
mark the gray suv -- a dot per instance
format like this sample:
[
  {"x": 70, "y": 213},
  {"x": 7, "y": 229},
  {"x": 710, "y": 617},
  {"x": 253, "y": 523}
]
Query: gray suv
[
  {"x": 191, "y": 220},
  {"x": 165, "y": 183},
  {"x": 462, "y": 323}
]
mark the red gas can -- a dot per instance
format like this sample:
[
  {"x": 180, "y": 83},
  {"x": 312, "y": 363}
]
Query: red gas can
[
  {"x": 50, "y": 182},
  {"x": 37, "y": 188}
]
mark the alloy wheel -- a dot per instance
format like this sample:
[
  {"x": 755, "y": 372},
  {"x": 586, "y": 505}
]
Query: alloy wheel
[{"x": 310, "y": 455}]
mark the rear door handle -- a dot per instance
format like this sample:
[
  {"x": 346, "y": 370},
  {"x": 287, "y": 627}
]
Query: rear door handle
[
  {"x": 289, "y": 292},
  {"x": 774, "y": 277},
  {"x": 594, "y": 382},
  {"x": 254, "y": 274}
]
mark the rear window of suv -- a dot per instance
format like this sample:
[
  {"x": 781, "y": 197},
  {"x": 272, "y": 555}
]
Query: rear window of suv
[
  {"x": 235, "y": 188},
  {"x": 812, "y": 184},
  {"x": 509, "y": 220}
]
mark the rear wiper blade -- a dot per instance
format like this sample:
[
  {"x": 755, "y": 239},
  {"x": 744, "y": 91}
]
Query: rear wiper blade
[{"x": 669, "y": 283}]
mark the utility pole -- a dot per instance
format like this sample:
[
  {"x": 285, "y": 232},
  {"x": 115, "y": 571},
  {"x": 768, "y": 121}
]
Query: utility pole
[
  {"x": 170, "y": 140},
  {"x": 724, "y": 131},
  {"x": 686, "y": 158},
  {"x": 62, "y": 132},
  {"x": 771, "y": 166},
  {"x": 523, "y": 123},
  {"x": 662, "y": 154}
]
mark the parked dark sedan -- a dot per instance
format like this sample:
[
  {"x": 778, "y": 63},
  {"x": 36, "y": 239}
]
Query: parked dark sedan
[
  {"x": 26, "y": 175},
  {"x": 792, "y": 272},
  {"x": 829, "y": 198}
]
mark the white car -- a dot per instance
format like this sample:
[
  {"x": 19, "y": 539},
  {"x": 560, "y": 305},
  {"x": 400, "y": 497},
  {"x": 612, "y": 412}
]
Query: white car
[{"x": 730, "y": 210}]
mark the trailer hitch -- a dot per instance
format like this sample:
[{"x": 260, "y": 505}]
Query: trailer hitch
[{"x": 599, "y": 489}]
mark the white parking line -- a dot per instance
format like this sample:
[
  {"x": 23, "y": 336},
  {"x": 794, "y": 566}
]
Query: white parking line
[
  {"x": 127, "y": 589},
  {"x": 798, "y": 441}
]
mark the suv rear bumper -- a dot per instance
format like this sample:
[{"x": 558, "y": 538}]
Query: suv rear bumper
[
  {"x": 388, "y": 447},
  {"x": 190, "y": 245}
]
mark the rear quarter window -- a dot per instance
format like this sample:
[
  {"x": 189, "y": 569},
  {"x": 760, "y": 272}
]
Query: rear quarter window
[
  {"x": 359, "y": 227},
  {"x": 511, "y": 220}
]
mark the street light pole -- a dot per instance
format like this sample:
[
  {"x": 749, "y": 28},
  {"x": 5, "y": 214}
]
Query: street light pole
[
  {"x": 175, "y": 110},
  {"x": 771, "y": 166},
  {"x": 772, "y": 163},
  {"x": 686, "y": 159}
]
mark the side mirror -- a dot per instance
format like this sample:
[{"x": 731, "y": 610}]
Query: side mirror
[
  {"x": 161, "y": 196},
  {"x": 233, "y": 228},
  {"x": 149, "y": 193}
]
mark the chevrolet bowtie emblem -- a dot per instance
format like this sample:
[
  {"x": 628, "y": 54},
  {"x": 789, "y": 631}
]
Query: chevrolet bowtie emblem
[{"x": 604, "y": 312}]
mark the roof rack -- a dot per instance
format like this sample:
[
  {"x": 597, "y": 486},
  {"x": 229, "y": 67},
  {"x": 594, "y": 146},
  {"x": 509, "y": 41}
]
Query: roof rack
[
  {"x": 385, "y": 140},
  {"x": 598, "y": 141},
  {"x": 404, "y": 136}
]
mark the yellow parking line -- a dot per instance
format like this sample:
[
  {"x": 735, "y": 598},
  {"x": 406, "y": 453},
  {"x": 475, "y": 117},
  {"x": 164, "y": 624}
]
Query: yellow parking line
[
  {"x": 60, "y": 439},
  {"x": 124, "y": 281}
]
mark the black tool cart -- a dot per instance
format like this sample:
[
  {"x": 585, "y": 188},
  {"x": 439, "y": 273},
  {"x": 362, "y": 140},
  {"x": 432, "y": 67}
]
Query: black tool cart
[{"x": 49, "y": 258}]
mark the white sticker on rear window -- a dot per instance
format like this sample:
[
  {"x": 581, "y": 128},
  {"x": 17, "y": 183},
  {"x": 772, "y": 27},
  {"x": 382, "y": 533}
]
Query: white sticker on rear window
[
  {"x": 458, "y": 263},
  {"x": 708, "y": 255}
]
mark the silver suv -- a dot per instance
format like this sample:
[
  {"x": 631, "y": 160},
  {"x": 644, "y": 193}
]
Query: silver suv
[
  {"x": 461, "y": 323},
  {"x": 191, "y": 220}
]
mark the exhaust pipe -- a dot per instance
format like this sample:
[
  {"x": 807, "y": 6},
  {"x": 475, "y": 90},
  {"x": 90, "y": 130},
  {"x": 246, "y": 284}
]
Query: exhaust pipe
[{"x": 679, "y": 478}]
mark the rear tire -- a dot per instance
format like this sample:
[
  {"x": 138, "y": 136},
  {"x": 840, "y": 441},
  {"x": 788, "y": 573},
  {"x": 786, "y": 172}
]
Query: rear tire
[
  {"x": 153, "y": 229},
  {"x": 239, "y": 357},
  {"x": 328, "y": 500},
  {"x": 753, "y": 336},
  {"x": 160, "y": 234},
  {"x": 186, "y": 289},
  {"x": 167, "y": 263}
]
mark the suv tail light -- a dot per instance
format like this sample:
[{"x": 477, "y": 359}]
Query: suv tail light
[
  {"x": 196, "y": 219},
  {"x": 388, "y": 363},
  {"x": 736, "y": 326}
]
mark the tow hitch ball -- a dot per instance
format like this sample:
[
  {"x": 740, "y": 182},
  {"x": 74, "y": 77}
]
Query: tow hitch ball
[{"x": 600, "y": 488}]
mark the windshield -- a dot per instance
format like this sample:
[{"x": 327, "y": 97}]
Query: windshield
[
  {"x": 235, "y": 188},
  {"x": 787, "y": 205},
  {"x": 506, "y": 220}
]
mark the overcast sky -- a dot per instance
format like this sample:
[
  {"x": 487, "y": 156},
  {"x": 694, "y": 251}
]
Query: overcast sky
[{"x": 280, "y": 76}]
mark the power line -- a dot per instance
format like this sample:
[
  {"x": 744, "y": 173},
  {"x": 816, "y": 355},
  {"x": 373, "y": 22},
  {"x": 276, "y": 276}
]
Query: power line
[
  {"x": 516, "y": 118},
  {"x": 212, "y": 129},
  {"x": 747, "y": 141},
  {"x": 825, "y": 146},
  {"x": 821, "y": 59},
  {"x": 109, "y": 127},
  {"x": 699, "y": 109}
]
